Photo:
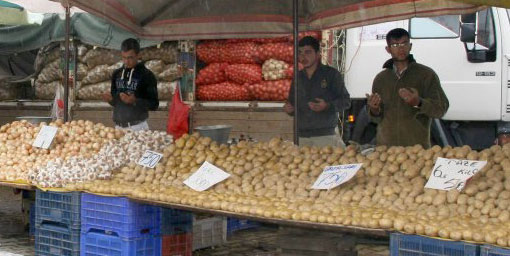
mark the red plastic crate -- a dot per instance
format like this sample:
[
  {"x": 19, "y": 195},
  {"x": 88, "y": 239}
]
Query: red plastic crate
[{"x": 177, "y": 245}]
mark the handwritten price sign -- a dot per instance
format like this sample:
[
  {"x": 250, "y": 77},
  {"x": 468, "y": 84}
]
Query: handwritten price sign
[
  {"x": 150, "y": 159},
  {"x": 333, "y": 176},
  {"x": 453, "y": 173},
  {"x": 205, "y": 177},
  {"x": 45, "y": 137}
]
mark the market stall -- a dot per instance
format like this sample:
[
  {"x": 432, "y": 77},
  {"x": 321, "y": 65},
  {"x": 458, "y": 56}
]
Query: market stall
[{"x": 270, "y": 180}]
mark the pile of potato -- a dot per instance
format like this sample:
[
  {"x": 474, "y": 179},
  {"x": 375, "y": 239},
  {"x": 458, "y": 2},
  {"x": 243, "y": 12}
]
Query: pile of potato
[
  {"x": 273, "y": 179},
  {"x": 75, "y": 138}
]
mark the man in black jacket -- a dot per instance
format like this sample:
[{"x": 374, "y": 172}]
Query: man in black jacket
[
  {"x": 321, "y": 96},
  {"x": 133, "y": 92}
]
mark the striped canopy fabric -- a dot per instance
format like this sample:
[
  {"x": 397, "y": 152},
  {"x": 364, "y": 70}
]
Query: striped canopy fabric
[{"x": 208, "y": 19}]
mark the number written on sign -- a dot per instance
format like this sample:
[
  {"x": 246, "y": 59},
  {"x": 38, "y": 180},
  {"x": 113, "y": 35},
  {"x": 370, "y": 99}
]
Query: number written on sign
[
  {"x": 205, "y": 177},
  {"x": 150, "y": 159},
  {"x": 452, "y": 173},
  {"x": 333, "y": 176}
]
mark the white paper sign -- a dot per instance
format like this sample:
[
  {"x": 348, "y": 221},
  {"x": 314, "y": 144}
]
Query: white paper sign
[
  {"x": 45, "y": 137},
  {"x": 150, "y": 159},
  {"x": 205, "y": 177},
  {"x": 333, "y": 176},
  {"x": 453, "y": 173}
]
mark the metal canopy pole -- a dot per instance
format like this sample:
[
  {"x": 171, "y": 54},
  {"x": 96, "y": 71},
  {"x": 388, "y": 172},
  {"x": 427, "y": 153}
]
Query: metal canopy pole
[
  {"x": 66, "y": 63},
  {"x": 295, "y": 24}
]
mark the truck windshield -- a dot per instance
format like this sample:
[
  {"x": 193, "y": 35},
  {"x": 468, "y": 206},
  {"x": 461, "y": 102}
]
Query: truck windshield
[{"x": 446, "y": 26}]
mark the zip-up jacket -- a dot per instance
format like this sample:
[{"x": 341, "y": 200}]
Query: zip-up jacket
[
  {"x": 327, "y": 84},
  {"x": 140, "y": 81},
  {"x": 400, "y": 124}
]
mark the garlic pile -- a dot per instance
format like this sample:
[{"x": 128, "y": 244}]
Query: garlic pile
[
  {"x": 273, "y": 179},
  {"x": 112, "y": 155},
  {"x": 274, "y": 69},
  {"x": 75, "y": 138}
]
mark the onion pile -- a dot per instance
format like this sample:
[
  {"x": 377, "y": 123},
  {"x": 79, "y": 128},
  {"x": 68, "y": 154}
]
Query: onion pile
[
  {"x": 75, "y": 138},
  {"x": 226, "y": 91},
  {"x": 212, "y": 74},
  {"x": 275, "y": 70},
  {"x": 279, "y": 51},
  {"x": 270, "y": 90},
  {"x": 244, "y": 73}
]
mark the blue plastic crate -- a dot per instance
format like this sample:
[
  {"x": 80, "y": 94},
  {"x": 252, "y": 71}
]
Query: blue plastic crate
[
  {"x": 175, "y": 222},
  {"x": 234, "y": 224},
  {"x": 119, "y": 215},
  {"x": 489, "y": 250},
  {"x": 31, "y": 224},
  {"x": 413, "y": 245},
  {"x": 58, "y": 207},
  {"x": 101, "y": 244},
  {"x": 53, "y": 239}
]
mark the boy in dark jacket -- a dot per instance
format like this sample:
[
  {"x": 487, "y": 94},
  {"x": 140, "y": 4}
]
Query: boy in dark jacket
[
  {"x": 321, "y": 96},
  {"x": 133, "y": 92}
]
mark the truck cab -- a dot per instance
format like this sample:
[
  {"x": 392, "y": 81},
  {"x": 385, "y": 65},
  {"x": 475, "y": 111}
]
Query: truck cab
[{"x": 471, "y": 55}]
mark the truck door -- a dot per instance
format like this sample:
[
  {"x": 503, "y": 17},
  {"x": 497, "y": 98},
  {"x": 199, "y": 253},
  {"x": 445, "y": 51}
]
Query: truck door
[{"x": 470, "y": 73}]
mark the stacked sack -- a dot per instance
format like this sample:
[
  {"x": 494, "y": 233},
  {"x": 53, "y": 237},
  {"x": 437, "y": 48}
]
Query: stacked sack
[
  {"x": 162, "y": 61},
  {"x": 96, "y": 66},
  {"x": 246, "y": 69},
  {"x": 49, "y": 74}
]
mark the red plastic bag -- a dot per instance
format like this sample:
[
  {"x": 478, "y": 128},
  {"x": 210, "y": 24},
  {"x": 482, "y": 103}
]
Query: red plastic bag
[{"x": 177, "y": 123}]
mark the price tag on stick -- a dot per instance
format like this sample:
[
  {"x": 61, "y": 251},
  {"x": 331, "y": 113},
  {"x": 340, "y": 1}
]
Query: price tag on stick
[
  {"x": 205, "y": 177},
  {"x": 150, "y": 159},
  {"x": 453, "y": 173},
  {"x": 333, "y": 176},
  {"x": 45, "y": 137}
]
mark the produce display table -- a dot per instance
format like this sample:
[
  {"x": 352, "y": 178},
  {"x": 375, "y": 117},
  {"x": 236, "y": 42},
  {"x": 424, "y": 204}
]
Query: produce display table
[
  {"x": 301, "y": 224},
  {"x": 17, "y": 185}
]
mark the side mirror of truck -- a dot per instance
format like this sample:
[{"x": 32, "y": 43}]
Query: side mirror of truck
[
  {"x": 468, "y": 18},
  {"x": 467, "y": 32}
]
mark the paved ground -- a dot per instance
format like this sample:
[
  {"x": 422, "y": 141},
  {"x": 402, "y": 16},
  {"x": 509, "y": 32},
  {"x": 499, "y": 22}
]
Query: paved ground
[{"x": 14, "y": 239}]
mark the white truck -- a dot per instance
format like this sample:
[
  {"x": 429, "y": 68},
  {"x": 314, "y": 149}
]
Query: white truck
[{"x": 471, "y": 55}]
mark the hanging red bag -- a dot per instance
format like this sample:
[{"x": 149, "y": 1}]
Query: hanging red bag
[{"x": 177, "y": 123}]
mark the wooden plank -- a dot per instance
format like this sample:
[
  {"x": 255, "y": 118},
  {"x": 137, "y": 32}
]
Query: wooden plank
[
  {"x": 237, "y": 125},
  {"x": 220, "y": 115},
  {"x": 17, "y": 185},
  {"x": 283, "y": 222},
  {"x": 25, "y": 112},
  {"x": 159, "y": 114},
  {"x": 90, "y": 114},
  {"x": 270, "y": 126},
  {"x": 260, "y": 136},
  {"x": 157, "y": 124},
  {"x": 269, "y": 116}
]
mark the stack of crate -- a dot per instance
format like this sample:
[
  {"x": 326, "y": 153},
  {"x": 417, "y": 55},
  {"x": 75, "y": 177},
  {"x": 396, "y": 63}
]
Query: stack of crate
[
  {"x": 234, "y": 225},
  {"x": 208, "y": 231},
  {"x": 403, "y": 244},
  {"x": 57, "y": 223},
  {"x": 176, "y": 232},
  {"x": 118, "y": 226}
]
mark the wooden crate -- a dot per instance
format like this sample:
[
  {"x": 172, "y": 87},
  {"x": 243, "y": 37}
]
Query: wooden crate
[{"x": 259, "y": 124}]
